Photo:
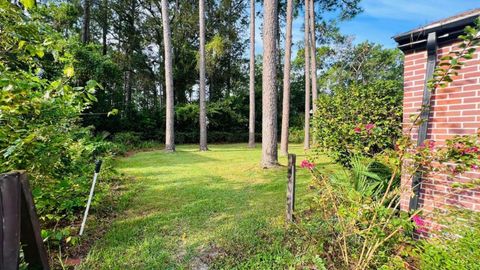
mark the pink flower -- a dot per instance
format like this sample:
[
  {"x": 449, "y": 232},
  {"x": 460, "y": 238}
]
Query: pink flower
[
  {"x": 475, "y": 167},
  {"x": 419, "y": 223},
  {"x": 369, "y": 126},
  {"x": 431, "y": 144},
  {"x": 459, "y": 146},
  {"x": 472, "y": 149},
  {"x": 307, "y": 165},
  {"x": 357, "y": 130}
]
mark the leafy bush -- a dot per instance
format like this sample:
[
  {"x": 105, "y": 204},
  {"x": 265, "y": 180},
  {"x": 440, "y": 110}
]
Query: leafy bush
[
  {"x": 456, "y": 247},
  {"x": 368, "y": 176},
  {"x": 129, "y": 140},
  {"x": 350, "y": 226},
  {"x": 361, "y": 119},
  {"x": 296, "y": 135},
  {"x": 39, "y": 130}
]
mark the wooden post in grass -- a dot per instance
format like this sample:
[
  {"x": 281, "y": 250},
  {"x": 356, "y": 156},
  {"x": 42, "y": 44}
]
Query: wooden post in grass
[
  {"x": 291, "y": 186},
  {"x": 19, "y": 224}
]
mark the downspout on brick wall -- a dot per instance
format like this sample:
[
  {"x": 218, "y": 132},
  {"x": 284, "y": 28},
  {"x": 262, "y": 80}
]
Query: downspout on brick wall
[{"x": 432, "y": 46}]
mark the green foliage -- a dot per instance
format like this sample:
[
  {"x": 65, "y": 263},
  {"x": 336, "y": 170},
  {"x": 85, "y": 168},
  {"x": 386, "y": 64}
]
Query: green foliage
[
  {"x": 368, "y": 176},
  {"x": 296, "y": 135},
  {"x": 128, "y": 139},
  {"x": 456, "y": 247},
  {"x": 360, "y": 119},
  {"x": 451, "y": 63},
  {"x": 40, "y": 130},
  {"x": 348, "y": 228}
]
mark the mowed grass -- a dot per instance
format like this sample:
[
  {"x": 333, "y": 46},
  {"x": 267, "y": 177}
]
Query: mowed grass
[{"x": 194, "y": 209}]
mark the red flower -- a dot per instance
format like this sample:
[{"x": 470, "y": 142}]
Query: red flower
[
  {"x": 357, "y": 130},
  {"x": 307, "y": 165},
  {"x": 472, "y": 149},
  {"x": 475, "y": 167},
  {"x": 369, "y": 126}
]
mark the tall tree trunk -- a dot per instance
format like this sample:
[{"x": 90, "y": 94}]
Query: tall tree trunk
[
  {"x": 269, "y": 91},
  {"x": 251, "y": 123},
  {"x": 286, "y": 81},
  {"x": 203, "y": 105},
  {"x": 306, "y": 143},
  {"x": 105, "y": 15},
  {"x": 86, "y": 22},
  {"x": 104, "y": 41},
  {"x": 279, "y": 51},
  {"x": 128, "y": 90},
  {"x": 129, "y": 51},
  {"x": 161, "y": 62},
  {"x": 313, "y": 56},
  {"x": 170, "y": 112}
]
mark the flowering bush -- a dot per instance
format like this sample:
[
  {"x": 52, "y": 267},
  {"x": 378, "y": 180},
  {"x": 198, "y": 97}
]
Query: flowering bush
[
  {"x": 354, "y": 230},
  {"x": 307, "y": 165},
  {"x": 364, "y": 119}
]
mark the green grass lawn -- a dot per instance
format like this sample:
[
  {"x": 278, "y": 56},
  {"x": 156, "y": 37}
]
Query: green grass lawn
[{"x": 191, "y": 209}]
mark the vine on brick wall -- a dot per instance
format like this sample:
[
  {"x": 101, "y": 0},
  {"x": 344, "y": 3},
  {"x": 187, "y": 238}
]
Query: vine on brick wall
[{"x": 461, "y": 153}]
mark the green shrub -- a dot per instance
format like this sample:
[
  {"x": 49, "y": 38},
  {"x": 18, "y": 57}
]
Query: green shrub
[
  {"x": 457, "y": 247},
  {"x": 296, "y": 135},
  {"x": 353, "y": 221},
  {"x": 43, "y": 135},
  {"x": 361, "y": 119},
  {"x": 368, "y": 176},
  {"x": 127, "y": 139}
]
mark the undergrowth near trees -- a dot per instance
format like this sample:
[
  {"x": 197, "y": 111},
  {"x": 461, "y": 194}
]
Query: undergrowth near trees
[{"x": 40, "y": 128}]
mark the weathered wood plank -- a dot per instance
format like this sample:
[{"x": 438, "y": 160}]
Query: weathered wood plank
[
  {"x": 291, "y": 186},
  {"x": 10, "y": 220},
  {"x": 33, "y": 248}
]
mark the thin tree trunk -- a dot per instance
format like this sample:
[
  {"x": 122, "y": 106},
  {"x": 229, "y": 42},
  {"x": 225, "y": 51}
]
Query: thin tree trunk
[
  {"x": 161, "y": 62},
  {"x": 203, "y": 106},
  {"x": 86, "y": 22},
  {"x": 269, "y": 91},
  {"x": 104, "y": 25},
  {"x": 286, "y": 81},
  {"x": 128, "y": 88},
  {"x": 104, "y": 41},
  {"x": 170, "y": 112},
  {"x": 251, "y": 125},
  {"x": 313, "y": 55},
  {"x": 306, "y": 143}
]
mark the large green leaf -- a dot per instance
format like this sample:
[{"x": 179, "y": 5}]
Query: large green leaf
[{"x": 28, "y": 3}]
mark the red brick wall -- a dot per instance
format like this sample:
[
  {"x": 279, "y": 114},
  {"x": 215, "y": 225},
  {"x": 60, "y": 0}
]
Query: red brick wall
[{"x": 455, "y": 110}]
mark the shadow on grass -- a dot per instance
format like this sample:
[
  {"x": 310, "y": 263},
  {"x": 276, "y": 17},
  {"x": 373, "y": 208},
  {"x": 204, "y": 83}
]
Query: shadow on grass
[
  {"x": 171, "y": 230},
  {"x": 221, "y": 200}
]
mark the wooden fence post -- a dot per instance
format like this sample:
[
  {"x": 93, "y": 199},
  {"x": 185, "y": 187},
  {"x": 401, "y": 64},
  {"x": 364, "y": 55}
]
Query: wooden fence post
[
  {"x": 10, "y": 221},
  {"x": 19, "y": 224},
  {"x": 30, "y": 236},
  {"x": 292, "y": 171}
]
